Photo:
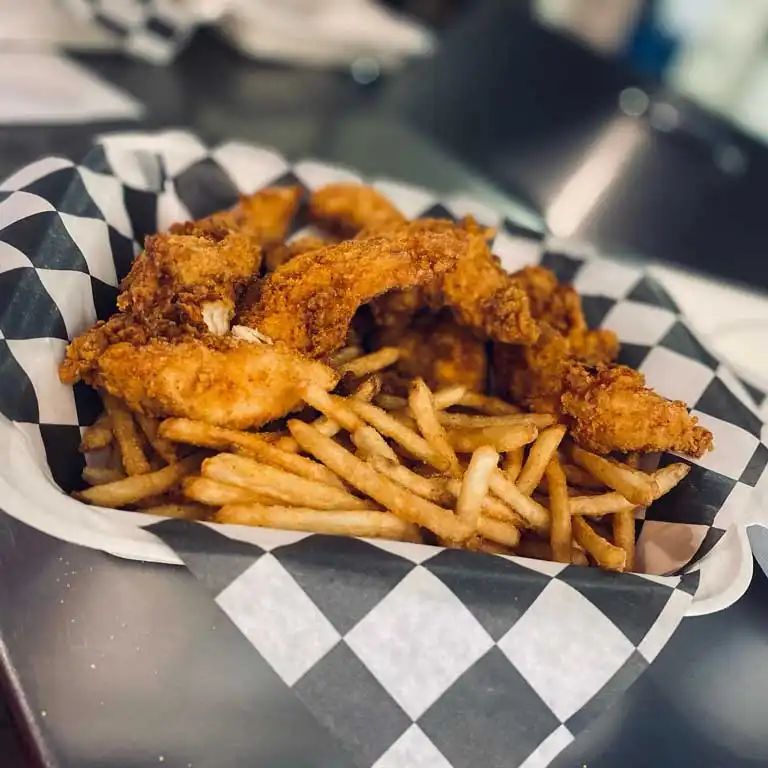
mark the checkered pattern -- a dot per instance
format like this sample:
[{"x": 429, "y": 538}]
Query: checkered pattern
[
  {"x": 155, "y": 30},
  {"x": 458, "y": 658},
  {"x": 413, "y": 655}
]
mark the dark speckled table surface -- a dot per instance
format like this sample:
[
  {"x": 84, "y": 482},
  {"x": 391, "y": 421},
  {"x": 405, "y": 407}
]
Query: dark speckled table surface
[{"x": 92, "y": 646}]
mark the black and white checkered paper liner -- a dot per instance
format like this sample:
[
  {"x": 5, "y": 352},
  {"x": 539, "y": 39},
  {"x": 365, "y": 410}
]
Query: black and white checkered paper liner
[
  {"x": 154, "y": 30},
  {"x": 457, "y": 658}
]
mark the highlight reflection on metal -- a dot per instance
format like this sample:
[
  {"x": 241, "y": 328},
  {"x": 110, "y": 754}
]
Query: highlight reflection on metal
[{"x": 590, "y": 182}]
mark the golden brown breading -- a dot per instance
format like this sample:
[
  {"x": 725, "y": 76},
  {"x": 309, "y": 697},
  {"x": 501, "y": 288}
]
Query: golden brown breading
[
  {"x": 220, "y": 380},
  {"x": 479, "y": 292},
  {"x": 83, "y": 352},
  {"x": 439, "y": 350},
  {"x": 283, "y": 253},
  {"x": 263, "y": 218},
  {"x": 610, "y": 409},
  {"x": 309, "y": 302},
  {"x": 346, "y": 208},
  {"x": 551, "y": 302},
  {"x": 189, "y": 280}
]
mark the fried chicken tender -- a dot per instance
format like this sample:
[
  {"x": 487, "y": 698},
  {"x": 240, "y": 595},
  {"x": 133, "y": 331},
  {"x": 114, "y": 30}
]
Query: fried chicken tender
[
  {"x": 308, "y": 303},
  {"x": 439, "y": 350},
  {"x": 282, "y": 254},
  {"x": 610, "y": 409},
  {"x": 223, "y": 381},
  {"x": 263, "y": 218},
  {"x": 551, "y": 302},
  {"x": 346, "y": 208},
  {"x": 479, "y": 292},
  {"x": 189, "y": 279}
]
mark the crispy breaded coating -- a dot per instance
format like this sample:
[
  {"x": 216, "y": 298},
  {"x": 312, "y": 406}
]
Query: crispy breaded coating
[
  {"x": 263, "y": 218},
  {"x": 189, "y": 280},
  {"x": 283, "y": 253},
  {"x": 479, "y": 292},
  {"x": 309, "y": 302},
  {"x": 439, "y": 350},
  {"x": 345, "y": 208},
  {"x": 220, "y": 380},
  {"x": 609, "y": 408},
  {"x": 551, "y": 302}
]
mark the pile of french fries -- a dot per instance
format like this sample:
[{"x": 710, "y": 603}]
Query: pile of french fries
[{"x": 450, "y": 467}]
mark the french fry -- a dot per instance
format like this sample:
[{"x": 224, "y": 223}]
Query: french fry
[
  {"x": 560, "y": 534},
  {"x": 581, "y": 478},
  {"x": 513, "y": 464},
  {"x": 165, "y": 449},
  {"x": 344, "y": 356},
  {"x": 102, "y": 475},
  {"x": 392, "y": 496},
  {"x": 370, "y": 443},
  {"x": 391, "y": 402},
  {"x": 605, "y": 554},
  {"x": 474, "y": 488},
  {"x": 633, "y": 485},
  {"x": 448, "y": 396},
  {"x": 284, "y": 486},
  {"x": 491, "y": 506},
  {"x": 493, "y": 406},
  {"x": 376, "y": 361},
  {"x": 624, "y": 536},
  {"x": 536, "y": 516},
  {"x": 248, "y": 444},
  {"x": 502, "y": 439},
  {"x": 473, "y": 421},
  {"x": 127, "y": 436},
  {"x": 182, "y": 511},
  {"x": 422, "y": 407},
  {"x": 432, "y": 489},
  {"x": 335, "y": 408},
  {"x": 215, "y": 494},
  {"x": 382, "y": 525},
  {"x": 539, "y": 457},
  {"x": 490, "y": 547},
  {"x": 407, "y": 438},
  {"x": 498, "y": 531},
  {"x": 137, "y": 487},
  {"x": 98, "y": 435}
]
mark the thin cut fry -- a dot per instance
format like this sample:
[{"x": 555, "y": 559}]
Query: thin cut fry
[
  {"x": 215, "y": 494},
  {"x": 345, "y": 355},
  {"x": 448, "y": 396},
  {"x": 535, "y": 515},
  {"x": 360, "y": 475},
  {"x": 127, "y": 436},
  {"x": 102, "y": 475},
  {"x": 502, "y": 439},
  {"x": 98, "y": 435},
  {"x": 165, "y": 449},
  {"x": 391, "y": 402},
  {"x": 473, "y": 421},
  {"x": 370, "y": 443},
  {"x": 539, "y": 457},
  {"x": 382, "y": 525},
  {"x": 633, "y": 485},
  {"x": 422, "y": 407},
  {"x": 560, "y": 534},
  {"x": 138, "y": 487},
  {"x": 493, "y": 406},
  {"x": 376, "y": 361},
  {"x": 249, "y": 444},
  {"x": 581, "y": 478},
  {"x": 513, "y": 463},
  {"x": 432, "y": 489},
  {"x": 491, "y": 506},
  {"x": 624, "y": 536},
  {"x": 334, "y": 408},
  {"x": 182, "y": 511},
  {"x": 602, "y": 551},
  {"x": 407, "y": 438},
  {"x": 474, "y": 487},
  {"x": 498, "y": 531},
  {"x": 283, "y": 486}
]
